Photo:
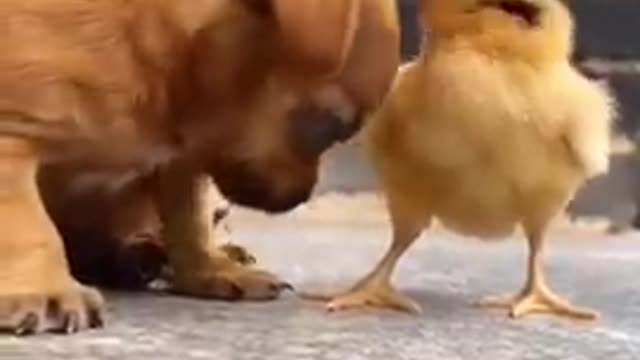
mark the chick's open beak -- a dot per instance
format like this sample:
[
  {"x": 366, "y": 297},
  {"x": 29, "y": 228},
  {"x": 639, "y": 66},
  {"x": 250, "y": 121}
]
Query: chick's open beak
[{"x": 527, "y": 10}]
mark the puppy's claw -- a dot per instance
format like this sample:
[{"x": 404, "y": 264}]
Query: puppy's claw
[
  {"x": 63, "y": 312},
  {"x": 287, "y": 286},
  {"x": 70, "y": 323},
  {"x": 282, "y": 287},
  {"x": 28, "y": 325},
  {"x": 96, "y": 320},
  {"x": 238, "y": 254}
]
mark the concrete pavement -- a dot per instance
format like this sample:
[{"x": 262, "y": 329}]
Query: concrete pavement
[{"x": 443, "y": 272}]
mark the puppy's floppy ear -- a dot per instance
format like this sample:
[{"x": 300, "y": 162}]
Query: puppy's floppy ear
[
  {"x": 375, "y": 56},
  {"x": 317, "y": 35}
]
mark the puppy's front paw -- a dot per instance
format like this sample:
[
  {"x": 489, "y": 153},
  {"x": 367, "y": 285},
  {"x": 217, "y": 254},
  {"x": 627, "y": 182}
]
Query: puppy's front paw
[
  {"x": 231, "y": 282},
  {"x": 65, "y": 311}
]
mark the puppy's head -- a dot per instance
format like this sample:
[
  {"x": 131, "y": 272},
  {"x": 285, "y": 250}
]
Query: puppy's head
[{"x": 284, "y": 80}]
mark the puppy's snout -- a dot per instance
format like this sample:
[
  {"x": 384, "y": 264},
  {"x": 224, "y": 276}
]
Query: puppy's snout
[
  {"x": 314, "y": 130},
  {"x": 249, "y": 188}
]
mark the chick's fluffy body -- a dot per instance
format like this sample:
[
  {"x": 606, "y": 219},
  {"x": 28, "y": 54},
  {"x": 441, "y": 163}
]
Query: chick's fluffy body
[{"x": 491, "y": 126}]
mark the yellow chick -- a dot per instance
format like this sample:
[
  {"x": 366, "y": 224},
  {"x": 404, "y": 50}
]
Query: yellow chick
[{"x": 490, "y": 128}]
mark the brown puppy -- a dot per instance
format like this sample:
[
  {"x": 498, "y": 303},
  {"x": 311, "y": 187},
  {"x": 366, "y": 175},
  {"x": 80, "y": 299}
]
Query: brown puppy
[{"x": 248, "y": 91}]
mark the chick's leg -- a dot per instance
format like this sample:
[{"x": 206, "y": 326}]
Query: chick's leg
[
  {"x": 376, "y": 290},
  {"x": 536, "y": 296}
]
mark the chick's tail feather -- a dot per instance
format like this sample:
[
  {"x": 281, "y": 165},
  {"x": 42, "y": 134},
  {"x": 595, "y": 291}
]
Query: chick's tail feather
[{"x": 589, "y": 129}]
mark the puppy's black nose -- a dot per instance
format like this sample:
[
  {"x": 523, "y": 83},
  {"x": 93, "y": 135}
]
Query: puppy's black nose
[
  {"x": 314, "y": 130},
  {"x": 247, "y": 188}
]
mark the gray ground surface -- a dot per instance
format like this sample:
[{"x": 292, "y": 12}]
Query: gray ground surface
[{"x": 443, "y": 272}]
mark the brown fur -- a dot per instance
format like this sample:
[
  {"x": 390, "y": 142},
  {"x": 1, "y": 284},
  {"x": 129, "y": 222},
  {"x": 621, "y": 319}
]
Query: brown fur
[{"x": 101, "y": 91}]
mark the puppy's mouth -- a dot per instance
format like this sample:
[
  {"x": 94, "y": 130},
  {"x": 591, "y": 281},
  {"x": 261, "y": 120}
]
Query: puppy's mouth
[{"x": 524, "y": 10}]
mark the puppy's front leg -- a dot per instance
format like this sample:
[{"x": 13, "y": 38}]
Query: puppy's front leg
[
  {"x": 37, "y": 291},
  {"x": 201, "y": 266}
]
